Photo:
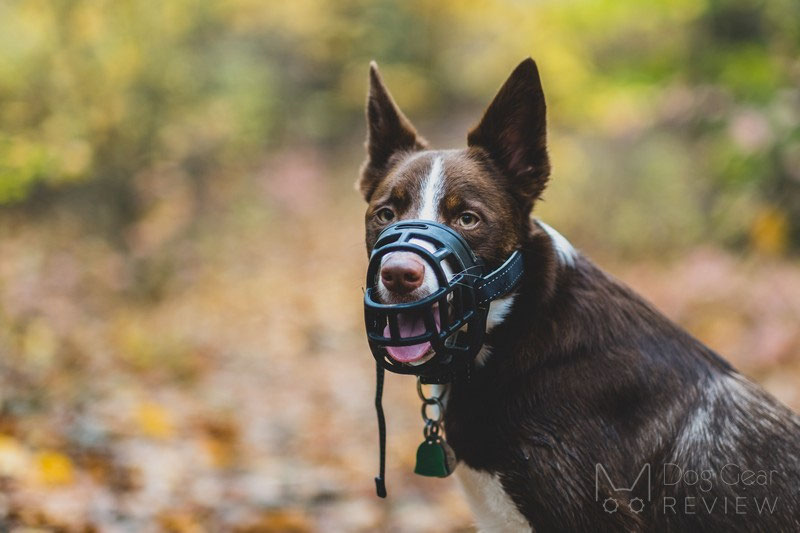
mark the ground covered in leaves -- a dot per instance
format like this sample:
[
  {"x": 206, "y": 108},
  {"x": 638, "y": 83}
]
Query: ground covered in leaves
[{"x": 210, "y": 373}]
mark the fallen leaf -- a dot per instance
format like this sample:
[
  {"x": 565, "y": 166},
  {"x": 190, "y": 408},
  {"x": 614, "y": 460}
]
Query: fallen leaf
[
  {"x": 154, "y": 421},
  {"x": 54, "y": 468}
]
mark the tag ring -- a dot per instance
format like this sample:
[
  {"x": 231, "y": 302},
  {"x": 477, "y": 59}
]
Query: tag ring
[
  {"x": 440, "y": 410},
  {"x": 431, "y": 429}
]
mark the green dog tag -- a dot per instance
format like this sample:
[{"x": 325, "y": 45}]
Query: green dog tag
[{"x": 434, "y": 458}]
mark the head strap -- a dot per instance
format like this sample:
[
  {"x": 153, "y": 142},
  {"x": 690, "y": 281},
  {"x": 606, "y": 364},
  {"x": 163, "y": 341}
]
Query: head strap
[{"x": 500, "y": 282}]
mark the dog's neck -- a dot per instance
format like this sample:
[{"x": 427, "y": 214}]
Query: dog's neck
[{"x": 547, "y": 256}]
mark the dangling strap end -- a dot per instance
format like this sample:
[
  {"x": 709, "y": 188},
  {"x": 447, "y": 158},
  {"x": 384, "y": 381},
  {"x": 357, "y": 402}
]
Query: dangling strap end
[
  {"x": 380, "y": 482},
  {"x": 380, "y": 487}
]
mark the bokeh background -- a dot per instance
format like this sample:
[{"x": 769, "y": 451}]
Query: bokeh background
[{"x": 181, "y": 249}]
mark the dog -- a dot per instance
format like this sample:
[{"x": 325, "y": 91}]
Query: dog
[{"x": 587, "y": 410}]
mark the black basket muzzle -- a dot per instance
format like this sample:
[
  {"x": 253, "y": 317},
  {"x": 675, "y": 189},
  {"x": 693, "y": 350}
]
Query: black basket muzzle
[{"x": 454, "y": 315}]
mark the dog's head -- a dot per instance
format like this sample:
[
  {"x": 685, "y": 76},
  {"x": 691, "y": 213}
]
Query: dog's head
[{"x": 485, "y": 192}]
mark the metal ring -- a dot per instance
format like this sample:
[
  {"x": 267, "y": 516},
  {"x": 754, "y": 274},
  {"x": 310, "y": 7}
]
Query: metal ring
[
  {"x": 419, "y": 390},
  {"x": 432, "y": 401},
  {"x": 431, "y": 429}
]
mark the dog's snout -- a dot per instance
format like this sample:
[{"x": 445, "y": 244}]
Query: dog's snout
[{"x": 402, "y": 273}]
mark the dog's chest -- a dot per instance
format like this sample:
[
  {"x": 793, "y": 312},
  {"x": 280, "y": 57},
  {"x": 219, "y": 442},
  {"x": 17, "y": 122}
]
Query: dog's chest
[
  {"x": 491, "y": 506},
  {"x": 493, "y": 509}
]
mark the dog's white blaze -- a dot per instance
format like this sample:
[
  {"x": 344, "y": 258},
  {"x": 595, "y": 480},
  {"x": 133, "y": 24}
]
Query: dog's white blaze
[
  {"x": 492, "y": 507},
  {"x": 432, "y": 191},
  {"x": 429, "y": 202},
  {"x": 564, "y": 250}
]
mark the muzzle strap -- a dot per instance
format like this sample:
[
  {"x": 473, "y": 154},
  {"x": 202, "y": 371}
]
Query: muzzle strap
[
  {"x": 380, "y": 481},
  {"x": 501, "y": 281}
]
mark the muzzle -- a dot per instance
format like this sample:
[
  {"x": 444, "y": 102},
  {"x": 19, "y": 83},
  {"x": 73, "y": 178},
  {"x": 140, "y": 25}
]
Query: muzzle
[{"x": 452, "y": 318}]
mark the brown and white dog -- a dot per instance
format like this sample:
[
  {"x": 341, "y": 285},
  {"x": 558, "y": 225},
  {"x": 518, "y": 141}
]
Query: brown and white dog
[{"x": 588, "y": 410}]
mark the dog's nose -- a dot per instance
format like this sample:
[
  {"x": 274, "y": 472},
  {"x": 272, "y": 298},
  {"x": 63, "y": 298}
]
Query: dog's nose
[{"x": 402, "y": 273}]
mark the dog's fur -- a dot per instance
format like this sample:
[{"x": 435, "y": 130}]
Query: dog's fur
[{"x": 582, "y": 386}]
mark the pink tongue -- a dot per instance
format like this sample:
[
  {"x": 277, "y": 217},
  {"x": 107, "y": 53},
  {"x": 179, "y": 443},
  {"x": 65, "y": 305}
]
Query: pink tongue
[{"x": 410, "y": 326}]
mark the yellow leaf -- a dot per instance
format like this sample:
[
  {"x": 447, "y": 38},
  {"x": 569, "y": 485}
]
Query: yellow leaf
[
  {"x": 770, "y": 230},
  {"x": 154, "y": 421},
  {"x": 180, "y": 522},
  {"x": 54, "y": 468}
]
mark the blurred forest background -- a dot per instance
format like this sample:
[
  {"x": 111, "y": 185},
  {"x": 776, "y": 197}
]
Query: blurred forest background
[{"x": 181, "y": 246}]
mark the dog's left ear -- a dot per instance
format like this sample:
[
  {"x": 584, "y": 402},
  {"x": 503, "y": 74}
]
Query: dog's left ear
[
  {"x": 388, "y": 132},
  {"x": 513, "y": 133}
]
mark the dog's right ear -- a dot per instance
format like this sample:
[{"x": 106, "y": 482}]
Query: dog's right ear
[
  {"x": 388, "y": 132},
  {"x": 513, "y": 133}
]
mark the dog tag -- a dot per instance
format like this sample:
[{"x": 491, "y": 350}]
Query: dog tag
[{"x": 435, "y": 458}]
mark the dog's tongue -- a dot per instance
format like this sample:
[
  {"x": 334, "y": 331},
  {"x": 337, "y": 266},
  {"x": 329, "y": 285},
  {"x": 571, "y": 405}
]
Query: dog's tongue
[{"x": 410, "y": 325}]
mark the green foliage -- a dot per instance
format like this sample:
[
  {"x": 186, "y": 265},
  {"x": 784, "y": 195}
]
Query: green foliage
[{"x": 102, "y": 92}]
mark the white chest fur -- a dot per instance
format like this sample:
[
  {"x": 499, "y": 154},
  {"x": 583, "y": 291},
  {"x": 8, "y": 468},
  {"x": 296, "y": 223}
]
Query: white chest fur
[{"x": 492, "y": 507}]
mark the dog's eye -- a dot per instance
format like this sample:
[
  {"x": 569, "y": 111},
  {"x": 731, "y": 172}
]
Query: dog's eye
[
  {"x": 385, "y": 215},
  {"x": 468, "y": 220}
]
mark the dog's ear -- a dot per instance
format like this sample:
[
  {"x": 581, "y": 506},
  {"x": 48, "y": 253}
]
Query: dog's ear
[
  {"x": 513, "y": 133},
  {"x": 388, "y": 132}
]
